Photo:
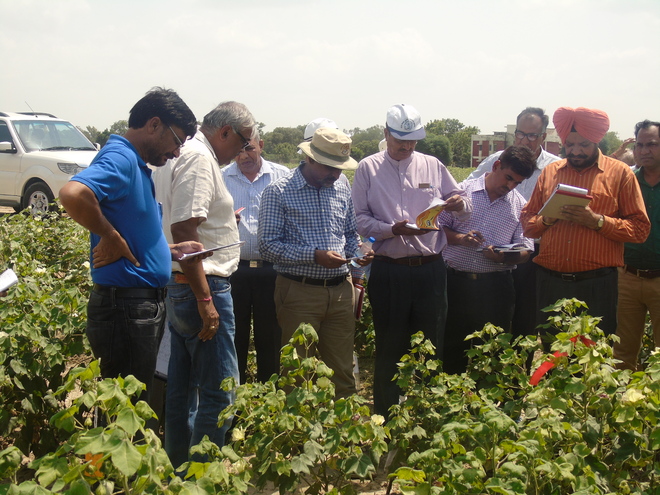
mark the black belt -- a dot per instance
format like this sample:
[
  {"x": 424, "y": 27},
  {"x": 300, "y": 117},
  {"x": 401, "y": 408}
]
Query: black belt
[
  {"x": 410, "y": 260},
  {"x": 130, "y": 292},
  {"x": 254, "y": 263},
  {"x": 642, "y": 273},
  {"x": 323, "y": 282},
  {"x": 578, "y": 276},
  {"x": 478, "y": 276}
]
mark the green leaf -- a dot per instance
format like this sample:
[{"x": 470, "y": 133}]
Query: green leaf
[
  {"x": 126, "y": 458},
  {"x": 128, "y": 420},
  {"x": 409, "y": 474}
]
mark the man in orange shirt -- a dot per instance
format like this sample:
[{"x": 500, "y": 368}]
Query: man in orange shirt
[{"x": 580, "y": 251}]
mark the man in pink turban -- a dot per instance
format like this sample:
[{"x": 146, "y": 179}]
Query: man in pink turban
[{"x": 580, "y": 250}]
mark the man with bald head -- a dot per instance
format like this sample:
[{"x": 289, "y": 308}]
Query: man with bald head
[{"x": 579, "y": 251}]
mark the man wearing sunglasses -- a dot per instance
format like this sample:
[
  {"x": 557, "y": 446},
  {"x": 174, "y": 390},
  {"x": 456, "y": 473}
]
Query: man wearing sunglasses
[
  {"x": 114, "y": 199},
  {"x": 197, "y": 206}
]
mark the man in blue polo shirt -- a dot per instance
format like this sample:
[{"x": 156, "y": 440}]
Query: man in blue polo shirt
[{"x": 131, "y": 261}]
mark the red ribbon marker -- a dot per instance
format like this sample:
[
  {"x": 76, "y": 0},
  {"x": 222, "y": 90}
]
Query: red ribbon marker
[{"x": 550, "y": 363}]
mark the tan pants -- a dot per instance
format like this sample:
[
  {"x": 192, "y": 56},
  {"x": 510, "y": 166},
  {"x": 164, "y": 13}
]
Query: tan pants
[
  {"x": 636, "y": 297},
  {"x": 330, "y": 311}
]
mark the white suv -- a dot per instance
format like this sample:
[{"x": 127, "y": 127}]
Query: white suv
[{"x": 39, "y": 153}]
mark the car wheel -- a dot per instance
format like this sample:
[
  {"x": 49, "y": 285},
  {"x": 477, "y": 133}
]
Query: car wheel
[{"x": 38, "y": 198}]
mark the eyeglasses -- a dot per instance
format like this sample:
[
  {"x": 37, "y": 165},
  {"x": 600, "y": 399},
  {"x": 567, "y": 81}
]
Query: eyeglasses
[
  {"x": 531, "y": 136},
  {"x": 178, "y": 140},
  {"x": 246, "y": 143}
]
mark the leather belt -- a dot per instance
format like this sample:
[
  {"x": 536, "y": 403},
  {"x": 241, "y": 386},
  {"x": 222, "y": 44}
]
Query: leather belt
[
  {"x": 642, "y": 273},
  {"x": 478, "y": 276},
  {"x": 254, "y": 263},
  {"x": 130, "y": 292},
  {"x": 180, "y": 278},
  {"x": 410, "y": 260},
  {"x": 323, "y": 282},
  {"x": 578, "y": 276}
]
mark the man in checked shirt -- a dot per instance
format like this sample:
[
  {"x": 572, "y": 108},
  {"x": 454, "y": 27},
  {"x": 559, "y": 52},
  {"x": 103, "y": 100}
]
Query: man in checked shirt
[
  {"x": 307, "y": 229},
  {"x": 480, "y": 285}
]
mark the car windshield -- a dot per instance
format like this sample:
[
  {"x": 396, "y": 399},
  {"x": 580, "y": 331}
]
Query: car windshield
[{"x": 39, "y": 135}]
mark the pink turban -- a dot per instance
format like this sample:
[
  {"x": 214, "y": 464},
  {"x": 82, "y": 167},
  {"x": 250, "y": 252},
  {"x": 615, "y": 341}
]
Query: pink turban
[{"x": 590, "y": 124}]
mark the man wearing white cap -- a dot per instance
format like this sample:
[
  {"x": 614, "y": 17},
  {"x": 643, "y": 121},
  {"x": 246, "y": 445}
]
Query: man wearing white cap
[
  {"x": 307, "y": 229},
  {"x": 316, "y": 124},
  {"x": 407, "y": 286}
]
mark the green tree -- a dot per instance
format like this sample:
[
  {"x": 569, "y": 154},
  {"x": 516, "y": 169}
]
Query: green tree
[
  {"x": 609, "y": 143},
  {"x": 120, "y": 127},
  {"x": 459, "y": 135},
  {"x": 436, "y": 145},
  {"x": 373, "y": 133}
]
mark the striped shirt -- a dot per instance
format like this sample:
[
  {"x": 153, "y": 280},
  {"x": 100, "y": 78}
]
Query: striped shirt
[
  {"x": 247, "y": 195},
  {"x": 498, "y": 221},
  {"x": 567, "y": 247},
  {"x": 296, "y": 219}
]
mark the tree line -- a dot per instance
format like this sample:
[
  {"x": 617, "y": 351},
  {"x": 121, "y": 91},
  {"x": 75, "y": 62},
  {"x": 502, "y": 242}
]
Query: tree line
[{"x": 449, "y": 140}]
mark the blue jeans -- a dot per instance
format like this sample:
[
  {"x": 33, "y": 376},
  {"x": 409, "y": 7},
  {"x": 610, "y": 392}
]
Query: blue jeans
[
  {"x": 124, "y": 334},
  {"x": 196, "y": 369}
]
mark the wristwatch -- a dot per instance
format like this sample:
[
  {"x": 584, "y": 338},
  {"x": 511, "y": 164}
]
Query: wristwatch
[{"x": 601, "y": 222}]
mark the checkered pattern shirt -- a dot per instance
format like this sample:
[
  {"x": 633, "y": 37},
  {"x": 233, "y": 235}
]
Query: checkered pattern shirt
[
  {"x": 295, "y": 219},
  {"x": 498, "y": 221}
]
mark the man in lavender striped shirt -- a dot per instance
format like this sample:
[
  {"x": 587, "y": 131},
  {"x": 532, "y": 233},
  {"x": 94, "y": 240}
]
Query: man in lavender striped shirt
[
  {"x": 407, "y": 286},
  {"x": 479, "y": 280}
]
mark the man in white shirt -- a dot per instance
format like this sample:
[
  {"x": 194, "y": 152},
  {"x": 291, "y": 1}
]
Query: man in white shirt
[
  {"x": 197, "y": 206},
  {"x": 531, "y": 125},
  {"x": 253, "y": 283}
]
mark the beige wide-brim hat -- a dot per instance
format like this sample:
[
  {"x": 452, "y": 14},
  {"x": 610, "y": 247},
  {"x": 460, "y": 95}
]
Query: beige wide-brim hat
[{"x": 330, "y": 147}]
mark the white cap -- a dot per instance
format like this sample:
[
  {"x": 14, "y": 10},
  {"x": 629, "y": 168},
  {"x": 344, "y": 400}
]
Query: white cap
[
  {"x": 405, "y": 123},
  {"x": 318, "y": 124}
]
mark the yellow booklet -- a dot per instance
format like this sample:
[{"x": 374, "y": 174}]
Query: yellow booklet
[{"x": 426, "y": 220}]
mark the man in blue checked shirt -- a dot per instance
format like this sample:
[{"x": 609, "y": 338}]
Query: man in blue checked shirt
[
  {"x": 307, "y": 228},
  {"x": 253, "y": 283},
  {"x": 479, "y": 280}
]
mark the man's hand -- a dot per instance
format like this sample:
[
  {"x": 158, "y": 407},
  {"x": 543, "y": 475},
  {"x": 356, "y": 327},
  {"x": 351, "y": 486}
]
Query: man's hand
[
  {"x": 491, "y": 255},
  {"x": 455, "y": 203},
  {"x": 186, "y": 247},
  {"x": 110, "y": 248},
  {"x": 581, "y": 215},
  {"x": 366, "y": 259},
  {"x": 210, "y": 319},
  {"x": 472, "y": 239},
  {"x": 399, "y": 228},
  {"x": 329, "y": 259}
]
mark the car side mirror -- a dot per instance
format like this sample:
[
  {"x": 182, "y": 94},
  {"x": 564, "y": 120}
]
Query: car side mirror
[{"x": 7, "y": 147}]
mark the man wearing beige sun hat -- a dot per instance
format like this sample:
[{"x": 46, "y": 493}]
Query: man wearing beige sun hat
[{"x": 307, "y": 229}]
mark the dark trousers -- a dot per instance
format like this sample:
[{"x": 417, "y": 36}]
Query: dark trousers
[
  {"x": 524, "y": 282},
  {"x": 473, "y": 302},
  {"x": 600, "y": 293},
  {"x": 125, "y": 334},
  {"x": 252, "y": 290},
  {"x": 404, "y": 300}
]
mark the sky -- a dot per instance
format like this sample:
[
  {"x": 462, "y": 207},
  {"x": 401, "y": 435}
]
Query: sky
[{"x": 291, "y": 61}]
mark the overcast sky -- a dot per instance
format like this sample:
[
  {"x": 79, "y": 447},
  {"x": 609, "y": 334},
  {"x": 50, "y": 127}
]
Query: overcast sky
[{"x": 290, "y": 61}]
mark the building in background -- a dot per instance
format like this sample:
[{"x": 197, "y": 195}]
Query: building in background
[{"x": 484, "y": 145}]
